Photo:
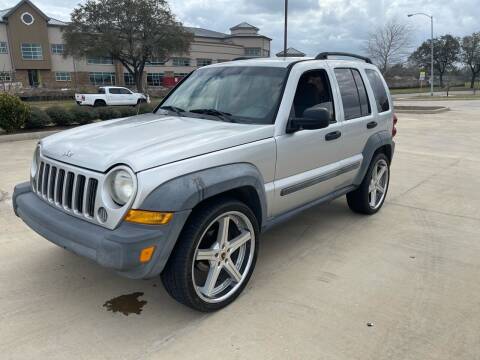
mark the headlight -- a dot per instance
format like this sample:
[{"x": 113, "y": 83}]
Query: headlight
[
  {"x": 35, "y": 162},
  {"x": 121, "y": 186}
]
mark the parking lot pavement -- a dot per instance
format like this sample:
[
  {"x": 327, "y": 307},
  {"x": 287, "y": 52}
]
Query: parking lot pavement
[{"x": 411, "y": 271}]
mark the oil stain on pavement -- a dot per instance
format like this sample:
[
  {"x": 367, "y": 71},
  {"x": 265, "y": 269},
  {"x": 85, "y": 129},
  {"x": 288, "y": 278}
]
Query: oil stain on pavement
[{"x": 126, "y": 304}]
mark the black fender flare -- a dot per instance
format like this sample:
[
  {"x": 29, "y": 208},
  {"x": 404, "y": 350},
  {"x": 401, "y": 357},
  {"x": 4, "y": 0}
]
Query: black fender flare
[{"x": 374, "y": 142}]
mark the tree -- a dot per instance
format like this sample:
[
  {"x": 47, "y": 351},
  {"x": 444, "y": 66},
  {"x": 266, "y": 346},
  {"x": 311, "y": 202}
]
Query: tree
[
  {"x": 132, "y": 32},
  {"x": 389, "y": 44},
  {"x": 446, "y": 52},
  {"x": 470, "y": 55}
]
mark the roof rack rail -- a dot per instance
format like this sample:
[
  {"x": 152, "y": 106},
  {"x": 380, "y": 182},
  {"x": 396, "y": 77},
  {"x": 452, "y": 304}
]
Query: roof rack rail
[
  {"x": 247, "y": 58},
  {"x": 325, "y": 55}
]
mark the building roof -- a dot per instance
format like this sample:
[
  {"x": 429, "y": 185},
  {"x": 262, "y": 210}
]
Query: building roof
[
  {"x": 8, "y": 12},
  {"x": 291, "y": 52},
  {"x": 244, "y": 25},
  {"x": 206, "y": 33}
]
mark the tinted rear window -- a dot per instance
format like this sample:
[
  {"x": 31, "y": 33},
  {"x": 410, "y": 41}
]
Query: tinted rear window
[
  {"x": 354, "y": 95},
  {"x": 381, "y": 97}
]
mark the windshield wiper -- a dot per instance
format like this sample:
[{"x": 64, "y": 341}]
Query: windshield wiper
[
  {"x": 175, "y": 109},
  {"x": 214, "y": 112}
]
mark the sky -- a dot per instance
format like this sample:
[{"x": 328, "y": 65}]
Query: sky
[{"x": 314, "y": 25}]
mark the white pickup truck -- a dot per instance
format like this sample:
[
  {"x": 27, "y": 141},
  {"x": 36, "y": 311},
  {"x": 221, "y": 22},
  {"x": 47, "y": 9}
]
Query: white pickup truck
[{"x": 112, "y": 95}]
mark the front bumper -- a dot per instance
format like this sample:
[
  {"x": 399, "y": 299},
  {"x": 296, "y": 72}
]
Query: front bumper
[{"x": 118, "y": 249}]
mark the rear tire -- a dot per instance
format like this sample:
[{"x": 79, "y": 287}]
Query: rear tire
[
  {"x": 369, "y": 197},
  {"x": 214, "y": 257},
  {"x": 99, "y": 103}
]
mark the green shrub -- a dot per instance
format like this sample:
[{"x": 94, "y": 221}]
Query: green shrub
[
  {"x": 83, "y": 115},
  {"x": 60, "y": 116},
  {"x": 126, "y": 111},
  {"x": 145, "y": 108},
  {"x": 38, "y": 119},
  {"x": 13, "y": 112},
  {"x": 108, "y": 113}
]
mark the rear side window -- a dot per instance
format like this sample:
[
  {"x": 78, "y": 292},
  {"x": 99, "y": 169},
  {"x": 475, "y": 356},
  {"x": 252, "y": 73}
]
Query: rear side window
[
  {"x": 381, "y": 97},
  {"x": 353, "y": 92},
  {"x": 114, "y": 91}
]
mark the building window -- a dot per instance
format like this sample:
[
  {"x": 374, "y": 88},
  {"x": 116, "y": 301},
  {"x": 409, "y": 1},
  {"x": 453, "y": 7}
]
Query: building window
[
  {"x": 32, "y": 52},
  {"x": 252, "y": 51},
  {"x": 63, "y": 76},
  {"x": 102, "y": 78},
  {"x": 155, "y": 79},
  {"x": 3, "y": 47},
  {"x": 5, "y": 76},
  {"x": 27, "y": 18},
  {"x": 58, "y": 49},
  {"x": 99, "y": 60},
  {"x": 128, "y": 79},
  {"x": 181, "y": 61},
  {"x": 204, "y": 62},
  {"x": 155, "y": 62}
]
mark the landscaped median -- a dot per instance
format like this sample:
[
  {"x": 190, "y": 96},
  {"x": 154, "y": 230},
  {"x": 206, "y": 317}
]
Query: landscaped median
[{"x": 18, "y": 120}]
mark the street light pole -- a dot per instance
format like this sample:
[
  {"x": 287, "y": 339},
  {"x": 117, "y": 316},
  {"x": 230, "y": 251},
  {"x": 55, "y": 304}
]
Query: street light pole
[
  {"x": 285, "y": 31},
  {"x": 431, "y": 48}
]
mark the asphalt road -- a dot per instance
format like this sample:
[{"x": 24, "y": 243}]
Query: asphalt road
[{"x": 411, "y": 271}]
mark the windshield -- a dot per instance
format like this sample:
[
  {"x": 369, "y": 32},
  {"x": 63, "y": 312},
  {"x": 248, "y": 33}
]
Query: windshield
[{"x": 243, "y": 94}]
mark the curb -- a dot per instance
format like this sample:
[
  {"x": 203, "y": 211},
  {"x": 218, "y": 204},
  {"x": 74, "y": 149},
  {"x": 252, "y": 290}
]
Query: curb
[
  {"x": 26, "y": 136},
  {"x": 426, "y": 111}
]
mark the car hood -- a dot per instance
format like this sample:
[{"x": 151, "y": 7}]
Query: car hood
[{"x": 147, "y": 141}]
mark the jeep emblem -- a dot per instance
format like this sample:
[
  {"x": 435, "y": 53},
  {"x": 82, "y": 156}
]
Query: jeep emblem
[{"x": 68, "y": 154}]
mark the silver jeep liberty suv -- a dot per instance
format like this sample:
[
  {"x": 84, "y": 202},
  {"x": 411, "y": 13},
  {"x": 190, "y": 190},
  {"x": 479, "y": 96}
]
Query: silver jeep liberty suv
[{"x": 185, "y": 192}]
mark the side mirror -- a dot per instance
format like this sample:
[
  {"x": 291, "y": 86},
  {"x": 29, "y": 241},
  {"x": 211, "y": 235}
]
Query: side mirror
[{"x": 313, "y": 119}]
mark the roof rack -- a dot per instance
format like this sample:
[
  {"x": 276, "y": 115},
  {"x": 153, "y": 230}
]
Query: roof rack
[
  {"x": 325, "y": 55},
  {"x": 246, "y": 58}
]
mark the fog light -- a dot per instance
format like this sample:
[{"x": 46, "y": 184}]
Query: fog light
[
  {"x": 148, "y": 217},
  {"x": 146, "y": 254}
]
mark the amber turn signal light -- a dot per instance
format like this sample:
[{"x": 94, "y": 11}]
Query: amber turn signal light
[
  {"x": 148, "y": 217},
  {"x": 146, "y": 254}
]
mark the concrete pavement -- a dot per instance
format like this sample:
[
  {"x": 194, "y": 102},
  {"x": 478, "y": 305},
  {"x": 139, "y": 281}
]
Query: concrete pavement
[{"x": 411, "y": 271}]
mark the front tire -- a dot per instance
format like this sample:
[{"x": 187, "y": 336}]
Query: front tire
[
  {"x": 214, "y": 257},
  {"x": 370, "y": 195}
]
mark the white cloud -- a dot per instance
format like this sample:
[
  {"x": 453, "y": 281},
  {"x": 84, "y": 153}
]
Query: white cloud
[{"x": 314, "y": 25}]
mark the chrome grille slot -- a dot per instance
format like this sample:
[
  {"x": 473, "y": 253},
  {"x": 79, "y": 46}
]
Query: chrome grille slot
[
  {"x": 69, "y": 190},
  {"x": 51, "y": 183},
  {"x": 91, "y": 196},
  {"x": 40, "y": 177},
  {"x": 79, "y": 192},
  {"x": 46, "y": 173},
  {"x": 59, "y": 190}
]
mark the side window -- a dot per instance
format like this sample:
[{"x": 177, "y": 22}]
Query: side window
[
  {"x": 381, "y": 96},
  {"x": 353, "y": 92},
  {"x": 124, "y": 91},
  {"x": 313, "y": 90},
  {"x": 114, "y": 91},
  {"x": 349, "y": 93},
  {"x": 362, "y": 93}
]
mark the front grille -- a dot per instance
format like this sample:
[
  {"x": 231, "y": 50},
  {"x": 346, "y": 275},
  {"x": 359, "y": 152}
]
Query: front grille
[{"x": 67, "y": 189}]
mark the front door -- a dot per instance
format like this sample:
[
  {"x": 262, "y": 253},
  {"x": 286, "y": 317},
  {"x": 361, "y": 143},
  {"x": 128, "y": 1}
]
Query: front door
[
  {"x": 33, "y": 78},
  {"x": 310, "y": 163}
]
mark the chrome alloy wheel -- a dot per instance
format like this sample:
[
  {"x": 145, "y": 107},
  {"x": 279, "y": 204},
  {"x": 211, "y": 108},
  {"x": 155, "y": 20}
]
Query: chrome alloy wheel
[
  {"x": 223, "y": 257},
  {"x": 378, "y": 184}
]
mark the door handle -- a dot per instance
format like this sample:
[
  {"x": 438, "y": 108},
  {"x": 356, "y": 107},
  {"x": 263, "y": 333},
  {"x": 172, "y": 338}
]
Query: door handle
[
  {"x": 333, "y": 135},
  {"x": 371, "y": 124}
]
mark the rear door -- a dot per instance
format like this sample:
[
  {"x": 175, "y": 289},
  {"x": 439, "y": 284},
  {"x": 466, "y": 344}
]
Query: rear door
[
  {"x": 310, "y": 163},
  {"x": 357, "y": 115},
  {"x": 114, "y": 97},
  {"x": 127, "y": 97}
]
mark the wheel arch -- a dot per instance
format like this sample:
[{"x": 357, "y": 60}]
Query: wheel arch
[
  {"x": 376, "y": 143},
  {"x": 242, "y": 181}
]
